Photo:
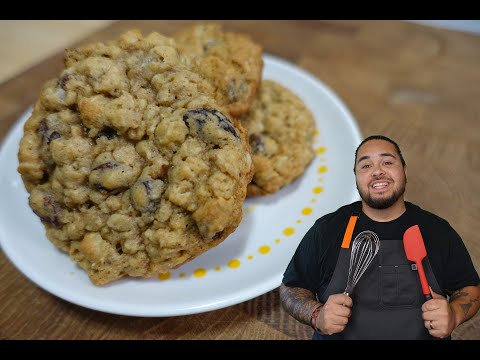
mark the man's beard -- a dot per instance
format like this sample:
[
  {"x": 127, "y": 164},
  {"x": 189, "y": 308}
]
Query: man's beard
[{"x": 382, "y": 203}]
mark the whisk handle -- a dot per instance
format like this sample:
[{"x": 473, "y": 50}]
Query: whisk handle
[{"x": 348, "y": 294}]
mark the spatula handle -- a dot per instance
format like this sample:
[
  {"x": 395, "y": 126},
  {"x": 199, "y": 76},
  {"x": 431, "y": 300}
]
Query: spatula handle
[{"x": 423, "y": 281}]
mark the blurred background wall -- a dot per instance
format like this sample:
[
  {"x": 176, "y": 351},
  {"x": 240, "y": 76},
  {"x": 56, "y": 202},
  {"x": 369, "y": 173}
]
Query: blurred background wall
[
  {"x": 26, "y": 42},
  {"x": 470, "y": 26},
  {"x": 23, "y": 43}
]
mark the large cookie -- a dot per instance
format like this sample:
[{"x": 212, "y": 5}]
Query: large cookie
[
  {"x": 280, "y": 131},
  {"x": 232, "y": 63},
  {"x": 132, "y": 169}
]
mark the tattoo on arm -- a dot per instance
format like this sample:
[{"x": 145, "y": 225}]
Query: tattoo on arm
[
  {"x": 468, "y": 301},
  {"x": 457, "y": 294},
  {"x": 466, "y": 307},
  {"x": 298, "y": 302}
]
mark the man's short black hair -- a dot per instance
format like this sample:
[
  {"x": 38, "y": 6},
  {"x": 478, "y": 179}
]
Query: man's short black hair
[{"x": 379, "y": 137}]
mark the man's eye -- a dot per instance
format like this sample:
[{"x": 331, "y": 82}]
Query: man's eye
[
  {"x": 388, "y": 163},
  {"x": 366, "y": 166}
]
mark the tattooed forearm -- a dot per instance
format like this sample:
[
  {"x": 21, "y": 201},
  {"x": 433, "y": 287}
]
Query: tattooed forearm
[
  {"x": 298, "y": 302},
  {"x": 457, "y": 294},
  {"x": 467, "y": 303},
  {"x": 466, "y": 307}
]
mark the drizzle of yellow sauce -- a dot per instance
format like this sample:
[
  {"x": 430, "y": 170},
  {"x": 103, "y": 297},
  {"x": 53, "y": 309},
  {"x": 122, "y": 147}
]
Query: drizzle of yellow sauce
[
  {"x": 199, "y": 272},
  {"x": 265, "y": 249},
  {"x": 322, "y": 169},
  {"x": 307, "y": 211},
  {"x": 321, "y": 150},
  {"x": 250, "y": 257},
  {"x": 317, "y": 189},
  {"x": 289, "y": 231},
  {"x": 217, "y": 268},
  {"x": 250, "y": 209},
  {"x": 234, "y": 263},
  {"x": 277, "y": 241},
  {"x": 164, "y": 276},
  {"x": 182, "y": 275}
]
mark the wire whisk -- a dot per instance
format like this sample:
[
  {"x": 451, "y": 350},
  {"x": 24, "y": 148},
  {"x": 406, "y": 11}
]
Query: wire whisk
[{"x": 364, "y": 248}]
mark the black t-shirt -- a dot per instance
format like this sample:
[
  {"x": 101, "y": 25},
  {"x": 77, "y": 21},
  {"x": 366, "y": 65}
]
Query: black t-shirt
[{"x": 314, "y": 261}]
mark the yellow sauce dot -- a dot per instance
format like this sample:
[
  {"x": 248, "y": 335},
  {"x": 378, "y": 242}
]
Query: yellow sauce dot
[
  {"x": 321, "y": 150},
  {"x": 265, "y": 249},
  {"x": 234, "y": 263},
  {"x": 182, "y": 275},
  {"x": 164, "y": 276},
  {"x": 277, "y": 241},
  {"x": 313, "y": 200},
  {"x": 250, "y": 209},
  {"x": 217, "y": 268},
  {"x": 317, "y": 189},
  {"x": 299, "y": 221},
  {"x": 322, "y": 169},
  {"x": 250, "y": 257},
  {"x": 320, "y": 180},
  {"x": 200, "y": 272},
  {"x": 289, "y": 231},
  {"x": 307, "y": 211},
  {"x": 316, "y": 132}
]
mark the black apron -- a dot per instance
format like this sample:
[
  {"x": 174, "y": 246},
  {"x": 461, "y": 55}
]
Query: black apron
[{"x": 387, "y": 299}]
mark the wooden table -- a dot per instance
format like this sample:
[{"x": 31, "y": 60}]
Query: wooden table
[{"x": 416, "y": 84}]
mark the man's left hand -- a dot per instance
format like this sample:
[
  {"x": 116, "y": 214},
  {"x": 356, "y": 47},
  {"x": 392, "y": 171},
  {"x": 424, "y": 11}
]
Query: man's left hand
[{"x": 438, "y": 316}]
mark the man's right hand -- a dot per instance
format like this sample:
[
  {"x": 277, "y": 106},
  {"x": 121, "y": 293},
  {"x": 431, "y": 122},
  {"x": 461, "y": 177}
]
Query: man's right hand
[{"x": 334, "y": 314}]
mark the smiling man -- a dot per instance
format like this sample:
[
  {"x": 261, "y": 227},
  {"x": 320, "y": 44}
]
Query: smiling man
[{"x": 387, "y": 301}]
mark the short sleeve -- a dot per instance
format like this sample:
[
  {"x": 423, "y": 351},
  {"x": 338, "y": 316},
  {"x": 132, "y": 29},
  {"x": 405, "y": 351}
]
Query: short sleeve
[
  {"x": 459, "y": 271},
  {"x": 303, "y": 270}
]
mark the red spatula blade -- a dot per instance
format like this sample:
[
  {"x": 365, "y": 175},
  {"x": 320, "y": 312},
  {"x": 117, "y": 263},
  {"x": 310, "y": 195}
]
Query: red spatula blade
[
  {"x": 416, "y": 252},
  {"x": 413, "y": 244}
]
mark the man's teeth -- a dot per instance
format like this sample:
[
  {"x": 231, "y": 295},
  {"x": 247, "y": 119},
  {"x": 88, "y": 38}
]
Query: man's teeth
[{"x": 379, "y": 184}]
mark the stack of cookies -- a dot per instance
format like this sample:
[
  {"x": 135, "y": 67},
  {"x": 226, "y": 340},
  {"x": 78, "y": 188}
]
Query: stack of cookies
[{"x": 139, "y": 155}]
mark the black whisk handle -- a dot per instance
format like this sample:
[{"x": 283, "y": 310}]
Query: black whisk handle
[{"x": 348, "y": 294}]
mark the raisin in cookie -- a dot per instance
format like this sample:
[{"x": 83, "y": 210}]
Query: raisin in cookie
[
  {"x": 232, "y": 63},
  {"x": 132, "y": 169},
  {"x": 280, "y": 131}
]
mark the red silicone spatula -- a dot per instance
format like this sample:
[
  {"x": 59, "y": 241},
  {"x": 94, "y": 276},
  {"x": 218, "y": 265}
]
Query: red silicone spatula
[{"x": 416, "y": 252}]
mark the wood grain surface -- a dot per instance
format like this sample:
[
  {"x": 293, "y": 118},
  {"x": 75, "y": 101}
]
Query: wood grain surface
[{"x": 417, "y": 85}]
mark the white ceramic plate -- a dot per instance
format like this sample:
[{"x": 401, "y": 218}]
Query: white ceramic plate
[{"x": 249, "y": 263}]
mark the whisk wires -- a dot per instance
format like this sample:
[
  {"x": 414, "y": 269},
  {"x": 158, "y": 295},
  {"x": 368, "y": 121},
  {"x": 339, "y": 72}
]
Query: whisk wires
[{"x": 364, "y": 248}]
